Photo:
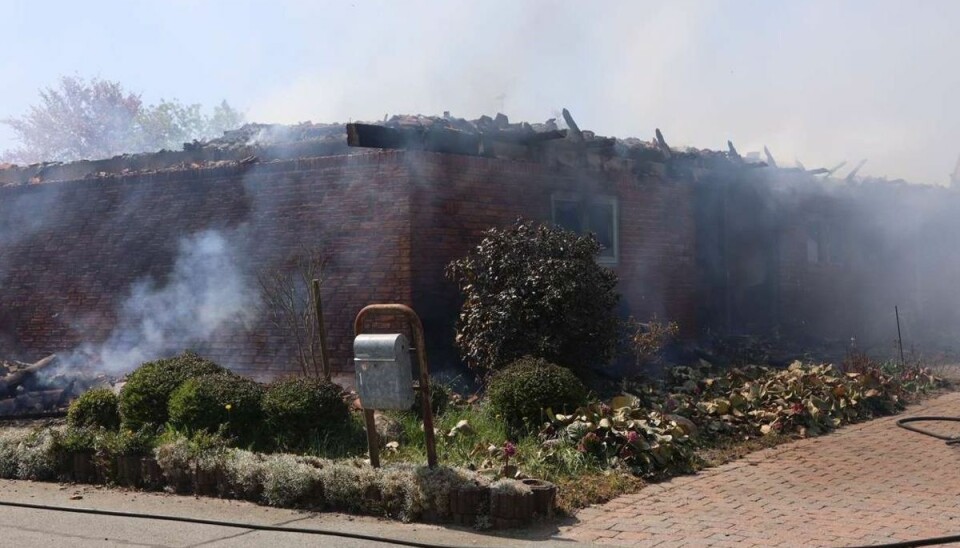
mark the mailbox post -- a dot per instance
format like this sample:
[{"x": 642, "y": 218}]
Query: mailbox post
[
  {"x": 382, "y": 364},
  {"x": 384, "y": 379}
]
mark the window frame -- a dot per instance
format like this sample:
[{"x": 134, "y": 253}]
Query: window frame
[{"x": 584, "y": 202}]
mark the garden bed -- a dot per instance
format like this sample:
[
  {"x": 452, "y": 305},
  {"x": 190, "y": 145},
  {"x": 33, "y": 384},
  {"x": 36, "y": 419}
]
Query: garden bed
[
  {"x": 496, "y": 475},
  {"x": 401, "y": 491}
]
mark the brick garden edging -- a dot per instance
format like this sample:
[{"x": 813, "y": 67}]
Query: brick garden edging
[{"x": 468, "y": 506}]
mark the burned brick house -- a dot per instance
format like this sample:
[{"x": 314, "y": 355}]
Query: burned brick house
[{"x": 717, "y": 243}]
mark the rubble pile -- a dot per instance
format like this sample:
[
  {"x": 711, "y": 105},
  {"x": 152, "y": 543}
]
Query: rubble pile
[
  {"x": 254, "y": 143},
  {"x": 554, "y": 142},
  {"x": 43, "y": 387}
]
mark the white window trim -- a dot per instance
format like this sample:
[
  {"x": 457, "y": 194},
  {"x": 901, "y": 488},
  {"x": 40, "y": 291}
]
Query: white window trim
[
  {"x": 615, "y": 207},
  {"x": 612, "y": 201}
]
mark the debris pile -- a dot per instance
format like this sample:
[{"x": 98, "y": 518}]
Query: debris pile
[
  {"x": 43, "y": 387},
  {"x": 550, "y": 141},
  {"x": 555, "y": 142},
  {"x": 493, "y": 137}
]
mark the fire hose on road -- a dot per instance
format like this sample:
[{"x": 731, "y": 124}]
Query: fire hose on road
[
  {"x": 951, "y": 440},
  {"x": 233, "y": 524}
]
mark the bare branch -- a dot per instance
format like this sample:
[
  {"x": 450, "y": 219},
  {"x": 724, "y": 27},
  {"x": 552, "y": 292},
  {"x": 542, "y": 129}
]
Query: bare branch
[{"x": 287, "y": 301}]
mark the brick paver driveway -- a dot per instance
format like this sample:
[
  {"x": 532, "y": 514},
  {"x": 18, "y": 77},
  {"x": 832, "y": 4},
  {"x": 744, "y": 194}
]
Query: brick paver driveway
[{"x": 864, "y": 484}]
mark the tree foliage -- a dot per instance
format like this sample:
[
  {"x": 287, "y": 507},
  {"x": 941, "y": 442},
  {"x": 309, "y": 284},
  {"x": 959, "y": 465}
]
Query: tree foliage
[
  {"x": 94, "y": 119},
  {"x": 536, "y": 290}
]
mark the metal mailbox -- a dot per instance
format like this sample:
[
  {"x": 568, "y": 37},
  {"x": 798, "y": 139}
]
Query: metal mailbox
[{"x": 384, "y": 374}]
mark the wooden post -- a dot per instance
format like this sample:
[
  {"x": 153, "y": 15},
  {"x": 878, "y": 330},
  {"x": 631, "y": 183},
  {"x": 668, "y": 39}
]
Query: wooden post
[
  {"x": 373, "y": 441},
  {"x": 896, "y": 310},
  {"x": 321, "y": 329}
]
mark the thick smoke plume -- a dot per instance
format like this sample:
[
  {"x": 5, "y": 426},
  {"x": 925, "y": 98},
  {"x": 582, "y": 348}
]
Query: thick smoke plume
[{"x": 206, "y": 292}]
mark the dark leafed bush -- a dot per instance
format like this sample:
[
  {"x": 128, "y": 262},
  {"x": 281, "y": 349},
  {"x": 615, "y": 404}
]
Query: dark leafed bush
[
  {"x": 221, "y": 402},
  {"x": 299, "y": 408},
  {"x": 439, "y": 400},
  {"x": 95, "y": 408},
  {"x": 531, "y": 289},
  {"x": 144, "y": 398},
  {"x": 523, "y": 390}
]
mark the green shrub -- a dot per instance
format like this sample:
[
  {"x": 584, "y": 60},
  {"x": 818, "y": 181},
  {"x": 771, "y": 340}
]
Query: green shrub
[
  {"x": 287, "y": 481},
  {"x": 130, "y": 443},
  {"x": 28, "y": 454},
  {"x": 95, "y": 408},
  {"x": 11, "y": 440},
  {"x": 348, "y": 486},
  {"x": 297, "y": 409},
  {"x": 439, "y": 400},
  {"x": 79, "y": 440},
  {"x": 243, "y": 473},
  {"x": 221, "y": 402},
  {"x": 521, "y": 392},
  {"x": 144, "y": 398},
  {"x": 535, "y": 290}
]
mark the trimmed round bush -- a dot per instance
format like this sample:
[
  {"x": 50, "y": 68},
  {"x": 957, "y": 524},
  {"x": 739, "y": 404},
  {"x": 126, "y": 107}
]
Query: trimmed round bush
[
  {"x": 221, "y": 402},
  {"x": 524, "y": 389},
  {"x": 95, "y": 408},
  {"x": 298, "y": 408},
  {"x": 144, "y": 398}
]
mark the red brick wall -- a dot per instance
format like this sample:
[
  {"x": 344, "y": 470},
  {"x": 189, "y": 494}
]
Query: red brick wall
[
  {"x": 389, "y": 221},
  {"x": 81, "y": 244},
  {"x": 456, "y": 198}
]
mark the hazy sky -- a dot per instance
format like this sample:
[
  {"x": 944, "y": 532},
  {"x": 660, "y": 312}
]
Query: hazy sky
[{"x": 817, "y": 81}]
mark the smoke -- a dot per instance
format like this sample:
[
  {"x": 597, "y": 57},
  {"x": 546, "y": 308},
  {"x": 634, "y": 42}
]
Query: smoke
[
  {"x": 26, "y": 216},
  {"x": 206, "y": 292},
  {"x": 820, "y": 81}
]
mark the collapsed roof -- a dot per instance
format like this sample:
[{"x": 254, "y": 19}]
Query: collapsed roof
[{"x": 550, "y": 141}]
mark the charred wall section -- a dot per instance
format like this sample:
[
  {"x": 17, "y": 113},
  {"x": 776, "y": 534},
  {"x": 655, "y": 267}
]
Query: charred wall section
[
  {"x": 818, "y": 265},
  {"x": 70, "y": 251},
  {"x": 720, "y": 248}
]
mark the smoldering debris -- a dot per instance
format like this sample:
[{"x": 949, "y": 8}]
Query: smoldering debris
[
  {"x": 206, "y": 291},
  {"x": 44, "y": 386}
]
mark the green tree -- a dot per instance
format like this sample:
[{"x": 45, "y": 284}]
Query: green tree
[{"x": 93, "y": 119}]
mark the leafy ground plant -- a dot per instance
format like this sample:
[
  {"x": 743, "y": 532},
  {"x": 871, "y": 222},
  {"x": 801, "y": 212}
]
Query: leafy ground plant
[{"x": 804, "y": 399}]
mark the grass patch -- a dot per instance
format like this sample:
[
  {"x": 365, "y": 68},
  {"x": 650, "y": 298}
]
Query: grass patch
[{"x": 475, "y": 437}]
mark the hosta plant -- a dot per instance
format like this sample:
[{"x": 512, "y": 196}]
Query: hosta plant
[
  {"x": 802, "y": 399},
  {"x": 622, "y": 434}
]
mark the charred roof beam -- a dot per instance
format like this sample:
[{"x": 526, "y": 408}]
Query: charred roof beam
[{"x": 446, "y": 140}]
